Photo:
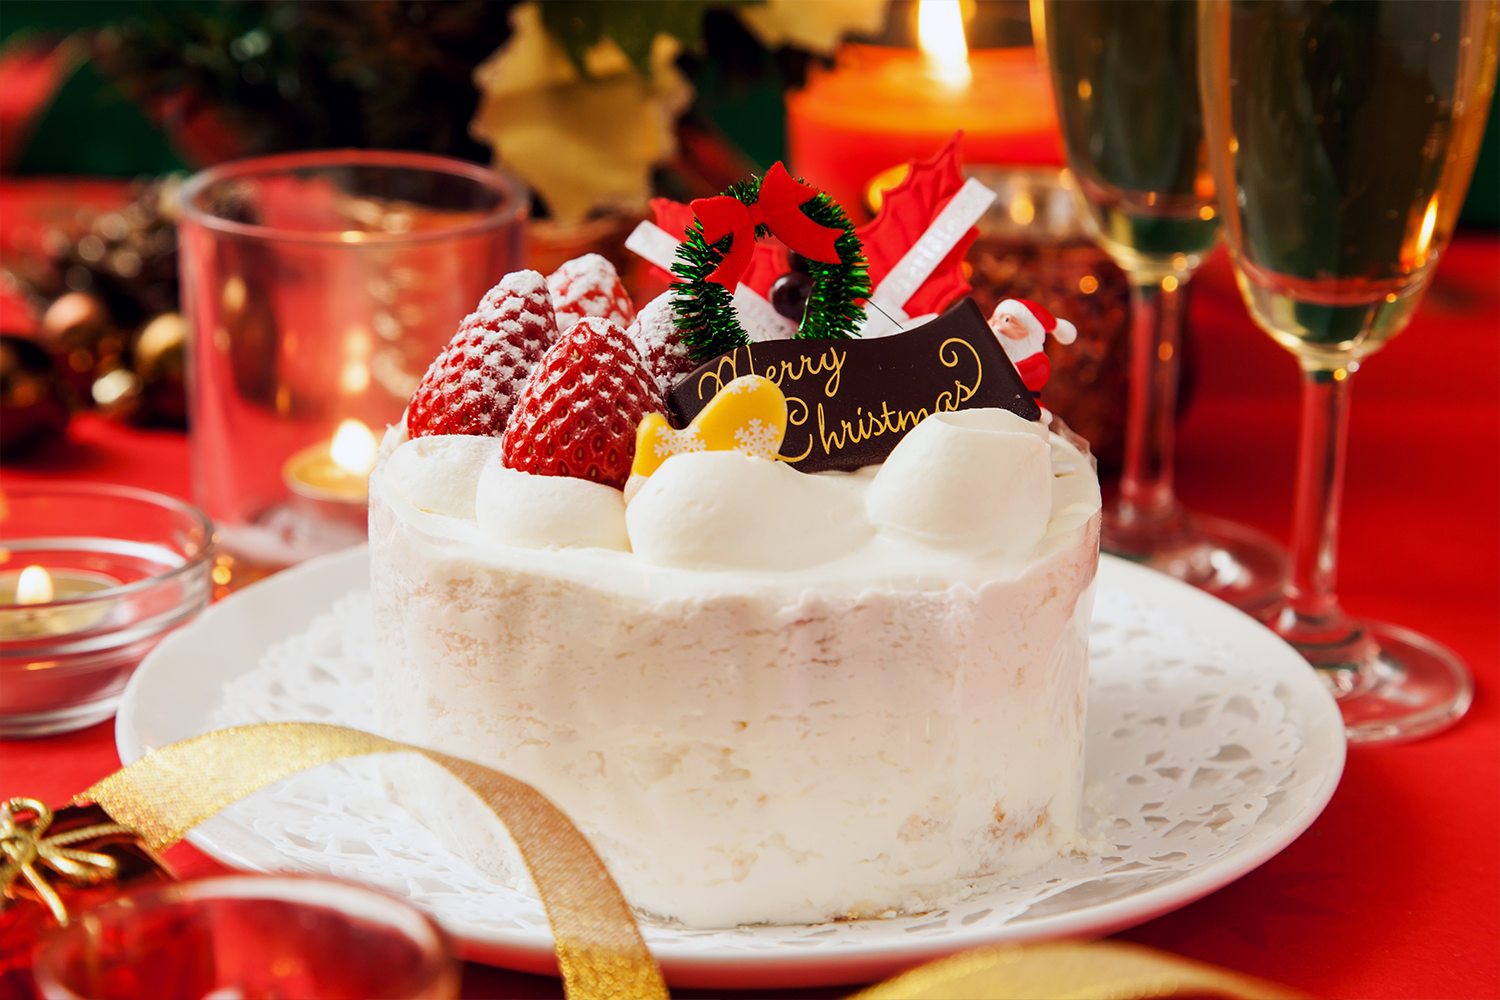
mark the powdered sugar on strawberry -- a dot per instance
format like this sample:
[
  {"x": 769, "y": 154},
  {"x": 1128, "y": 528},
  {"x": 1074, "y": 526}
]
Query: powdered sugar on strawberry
[
  {"x": 473, "y": 384},
  {"x": 578, "y": 413},
  {"x": 656, "y": 337},
  {"x": 589, "y": 286}
]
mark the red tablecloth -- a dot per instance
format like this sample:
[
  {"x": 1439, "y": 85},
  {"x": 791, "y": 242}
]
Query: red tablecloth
[{"x": 1395, "y": 890}]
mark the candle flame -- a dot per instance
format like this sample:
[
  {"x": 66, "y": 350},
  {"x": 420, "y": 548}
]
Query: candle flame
[
  {"x": 354, "y": 448},
  {"x": 1424, "y": 237},
  {"x": 34, "y": 586},
  {"x": 940, "y": 34},
  {"x": 883, "y": 182},
  {"x": 354, "y": 378}
]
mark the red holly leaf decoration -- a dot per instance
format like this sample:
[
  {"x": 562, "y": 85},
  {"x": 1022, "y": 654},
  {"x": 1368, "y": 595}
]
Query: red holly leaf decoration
[
  {"x": 905, "y": 213},
  {"x": 673, "y": 216},
  {"x": 768, "y": 263}
]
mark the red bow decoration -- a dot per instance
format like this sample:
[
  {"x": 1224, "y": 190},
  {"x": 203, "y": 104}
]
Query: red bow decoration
[{"x": 779, "y": 208}]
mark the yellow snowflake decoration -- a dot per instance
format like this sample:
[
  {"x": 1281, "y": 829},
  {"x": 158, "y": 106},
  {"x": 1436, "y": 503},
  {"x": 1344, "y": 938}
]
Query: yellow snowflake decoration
[{"x": 748, "y": 415}]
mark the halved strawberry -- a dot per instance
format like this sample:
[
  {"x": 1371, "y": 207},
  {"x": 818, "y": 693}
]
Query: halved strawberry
[
  {"x": 473, "y": 384},
  {"x": 578, "y": 413},
  {"x": 589, "y": 286}
]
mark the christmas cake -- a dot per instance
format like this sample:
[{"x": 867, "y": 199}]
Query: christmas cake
[{"x": 769, "y": 683}]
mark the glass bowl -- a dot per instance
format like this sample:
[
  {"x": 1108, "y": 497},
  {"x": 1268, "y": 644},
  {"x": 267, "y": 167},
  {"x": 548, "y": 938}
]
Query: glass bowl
[
  {"x": 122, "y": 566},
  {"x": 248, "y": 936}
]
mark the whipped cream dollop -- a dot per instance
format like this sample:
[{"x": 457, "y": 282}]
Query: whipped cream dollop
[
  {"x": 538, "y": 512},
  {"x": 729, "y": 510},
  {"x": 966, "y": 484},
  {"x": 440, "y": 473},
  {"x": 973, "y": 479}
]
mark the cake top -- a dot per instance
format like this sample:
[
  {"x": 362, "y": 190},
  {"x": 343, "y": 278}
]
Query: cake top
[
  {"x": 966, "y": 497},
  {"x": 558, "y": 418}
]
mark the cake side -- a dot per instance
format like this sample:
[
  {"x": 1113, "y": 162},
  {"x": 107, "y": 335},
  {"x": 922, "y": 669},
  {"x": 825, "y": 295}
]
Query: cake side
[{"x": 746, "y": 747}]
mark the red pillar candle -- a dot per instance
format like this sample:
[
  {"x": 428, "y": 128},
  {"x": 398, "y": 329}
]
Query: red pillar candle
[{"x": 880, "y": 107}]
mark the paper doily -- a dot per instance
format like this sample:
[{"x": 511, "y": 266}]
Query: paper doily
[{"x": 1193, "y": 747}]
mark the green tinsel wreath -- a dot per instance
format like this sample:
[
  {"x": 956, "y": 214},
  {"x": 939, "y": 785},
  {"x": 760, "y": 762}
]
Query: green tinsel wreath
[{"x": 704, "y": 310}]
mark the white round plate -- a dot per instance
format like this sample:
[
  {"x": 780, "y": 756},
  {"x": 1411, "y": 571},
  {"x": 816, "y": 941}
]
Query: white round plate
[{"x": 1211, "y": 746}]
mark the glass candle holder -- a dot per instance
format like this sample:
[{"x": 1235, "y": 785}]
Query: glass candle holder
[
  {"x": 248, "y": 936},
  {"x": 1032, "y": 245},
  {"x": 91, "y": 578},
  {"x": 318, "y": 287}
]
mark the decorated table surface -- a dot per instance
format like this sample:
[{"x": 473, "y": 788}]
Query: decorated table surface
[{"x": 1392, "y": 891}]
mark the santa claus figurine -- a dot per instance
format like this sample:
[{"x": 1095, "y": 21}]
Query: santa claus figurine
[{"x": 1022, "y": 326}]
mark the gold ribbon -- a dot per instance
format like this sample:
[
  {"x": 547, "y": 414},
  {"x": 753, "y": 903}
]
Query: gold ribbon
[
  {"x": 1070, "y": 970},
  {"x": 24, "y": 846},
  {"x": 599, "y": 946}
]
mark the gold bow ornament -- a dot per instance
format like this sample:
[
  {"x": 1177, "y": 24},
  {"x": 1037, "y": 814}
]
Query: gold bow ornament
[{"x": 25, "y": 844}]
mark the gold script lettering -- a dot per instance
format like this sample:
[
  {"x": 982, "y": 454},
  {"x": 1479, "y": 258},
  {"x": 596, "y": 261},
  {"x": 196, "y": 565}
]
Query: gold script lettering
[
  {"x": 831, "y": 389},
  {"x": 732, "y": 360},
  {"x": 796, "y": 369},
  {"x": 869, "y": 424},
  {"x": 830, "y": 443},
  {"x": 949, "y": 358},
  {"x": 793, "y": 459}
]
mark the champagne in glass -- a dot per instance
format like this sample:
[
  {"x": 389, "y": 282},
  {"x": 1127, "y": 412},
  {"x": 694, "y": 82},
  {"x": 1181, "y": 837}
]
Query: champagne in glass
[
  {"x": 1126, "y": 85},
  {"x": 1343, "y": 137},
  {"x": 1124, "y": 76}
]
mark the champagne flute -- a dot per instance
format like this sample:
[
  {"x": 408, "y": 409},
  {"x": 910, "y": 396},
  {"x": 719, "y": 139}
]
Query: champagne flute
[
  {"x": 1124, "y": 76},
  {"x": 1343, "y": 136}
]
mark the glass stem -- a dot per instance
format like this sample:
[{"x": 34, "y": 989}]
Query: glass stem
[
  {"x": 1312, "y": 619},
  {"x": 1156, "y": 308}
]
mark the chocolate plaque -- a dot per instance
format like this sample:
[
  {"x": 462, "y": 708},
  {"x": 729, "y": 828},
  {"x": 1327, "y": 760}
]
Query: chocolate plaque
[{"x": 849, "y": 402}]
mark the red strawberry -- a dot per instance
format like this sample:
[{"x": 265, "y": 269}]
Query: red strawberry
[
  {"x": 473, "y": 384},
  {"x": 589, "y": 286},
  {"x": 578, "y": 414},
  {"x": 655, "y": 334}
]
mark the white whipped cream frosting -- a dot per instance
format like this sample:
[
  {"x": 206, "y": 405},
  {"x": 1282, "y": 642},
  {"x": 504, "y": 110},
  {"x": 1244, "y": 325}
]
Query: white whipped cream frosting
[
  {"x": 717, "y": 510},
  {"x": 792, "y": 697},
  {"x": 440, "y": 474},
  {"x": 538, "y": 512},
  {"x": 981, "y": 482},
  {"x": 972, "y": 479}
]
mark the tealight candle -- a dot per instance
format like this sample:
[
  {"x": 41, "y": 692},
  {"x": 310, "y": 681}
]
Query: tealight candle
[
  {"x": 93, "y": 577},
  {"x": 35, "y": 585},
  {"x": 335, "y": 470}
]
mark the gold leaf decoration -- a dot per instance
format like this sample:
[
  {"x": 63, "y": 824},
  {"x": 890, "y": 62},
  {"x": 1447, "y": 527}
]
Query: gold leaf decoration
[
  {"x": 583, "y": 144},
  {"x": 818, "y": 27}
]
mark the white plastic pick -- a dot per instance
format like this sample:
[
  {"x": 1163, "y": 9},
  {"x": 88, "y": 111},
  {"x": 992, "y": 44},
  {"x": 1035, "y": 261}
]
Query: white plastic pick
[
  {"x": 917, "y": 264},
  {"x": 759, "y": 318}
]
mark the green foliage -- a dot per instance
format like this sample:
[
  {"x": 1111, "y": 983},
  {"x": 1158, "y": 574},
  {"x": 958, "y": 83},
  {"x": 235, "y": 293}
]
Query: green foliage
[
  {"x": 393, "y": 74},
  {"x": 704, "y": 310},
  {"x": 633, "y": 24},
  {"x": 91, "y": 128},
  {"x": 833, "y": 311}
]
